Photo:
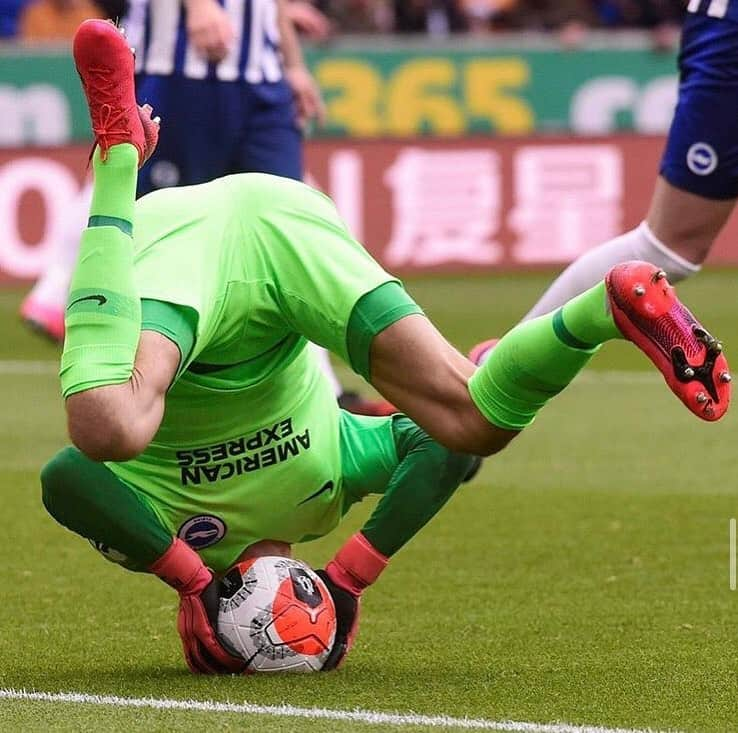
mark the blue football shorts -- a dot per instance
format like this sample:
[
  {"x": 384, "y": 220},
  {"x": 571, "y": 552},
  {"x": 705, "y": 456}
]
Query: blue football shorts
[
  {"x": 701, "y": 154},
  {"x": 213, "y": 128}
]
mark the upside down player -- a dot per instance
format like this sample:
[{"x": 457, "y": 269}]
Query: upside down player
[{"x": 198, "y": 414}]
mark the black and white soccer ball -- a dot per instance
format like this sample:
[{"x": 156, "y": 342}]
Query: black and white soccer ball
[{"x": 277, "y": 615}]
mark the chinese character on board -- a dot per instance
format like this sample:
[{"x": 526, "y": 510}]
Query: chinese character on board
[
  {"x": 446, "y": 208},
  {"x": 567, "y": 199}
]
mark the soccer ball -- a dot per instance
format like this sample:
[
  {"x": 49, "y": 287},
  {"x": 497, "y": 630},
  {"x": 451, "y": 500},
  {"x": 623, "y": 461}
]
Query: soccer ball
[{"x": 277, "y": 615}]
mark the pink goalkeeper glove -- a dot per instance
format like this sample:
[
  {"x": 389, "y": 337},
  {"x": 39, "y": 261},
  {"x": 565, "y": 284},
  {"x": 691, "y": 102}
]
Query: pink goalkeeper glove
[
  {"x": 181, "y": 567},
  {"x": 354, "y": 568}
]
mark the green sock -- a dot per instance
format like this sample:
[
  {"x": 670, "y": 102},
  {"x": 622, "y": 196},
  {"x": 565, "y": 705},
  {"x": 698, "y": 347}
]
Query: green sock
[
  {"x": 539, "y": 358},
  {"x": 103, "y": 317},
  {"x": 424, "y": 480},
  {"x": 86, "y": 497},
  {"x": 114, "y": 192}
]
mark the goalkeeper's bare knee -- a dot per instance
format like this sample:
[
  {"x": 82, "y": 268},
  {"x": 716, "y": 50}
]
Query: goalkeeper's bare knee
[
  {"x": 116, "y": 422},
  {"x": 102, "y": 426}
]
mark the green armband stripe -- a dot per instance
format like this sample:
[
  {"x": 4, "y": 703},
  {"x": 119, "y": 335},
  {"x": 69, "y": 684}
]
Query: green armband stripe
[
  {"x": 566, "y": 336},
  {"x": 177, "y": 322},
  {"x": 373, "y": 312},
  {"x": 103, "y": 301},
  {"x": 111, "y": 221}
]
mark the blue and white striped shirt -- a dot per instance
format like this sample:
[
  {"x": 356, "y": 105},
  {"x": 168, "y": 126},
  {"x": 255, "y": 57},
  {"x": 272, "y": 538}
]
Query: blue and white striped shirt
[
  {"x": 156, "y": 29},
  {"x": 715, "y": 8}
]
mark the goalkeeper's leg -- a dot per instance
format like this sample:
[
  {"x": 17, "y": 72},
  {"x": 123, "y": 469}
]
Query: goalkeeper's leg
[
  {"x": 480, "y": 411},
  {"x": 113, "y": 409},
  {"x": 90, "y": 500}
]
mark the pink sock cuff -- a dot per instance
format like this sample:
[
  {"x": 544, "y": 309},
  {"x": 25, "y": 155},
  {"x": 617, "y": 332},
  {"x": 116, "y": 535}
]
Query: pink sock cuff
[
  {"x": 361, "y": 561},
  {"x": 178, "y": 566}
]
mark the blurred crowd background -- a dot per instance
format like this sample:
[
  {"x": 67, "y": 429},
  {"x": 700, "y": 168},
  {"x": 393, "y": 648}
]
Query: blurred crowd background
[
  {"x": 545, "y": 117},
  {"x": 322, "y": 20}
]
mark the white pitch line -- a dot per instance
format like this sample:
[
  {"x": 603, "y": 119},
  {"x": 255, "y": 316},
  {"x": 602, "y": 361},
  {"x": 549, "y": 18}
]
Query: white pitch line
[
  {"x": 22, "y": 368},
  {"x": 367, "y": 717},
  {"x": 614, "y": 376},
  {"x": 731, "y": 530}
]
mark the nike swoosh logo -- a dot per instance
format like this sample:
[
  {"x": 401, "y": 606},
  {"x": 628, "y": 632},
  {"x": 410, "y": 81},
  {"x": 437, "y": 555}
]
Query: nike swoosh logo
[
  {"x": 101, "y": 300},
  {"x": 327, "y": 486}
]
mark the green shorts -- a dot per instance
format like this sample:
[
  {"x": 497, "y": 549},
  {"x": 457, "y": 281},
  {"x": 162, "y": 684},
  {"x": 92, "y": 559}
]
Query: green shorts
[{"x": 290, "y": 513}]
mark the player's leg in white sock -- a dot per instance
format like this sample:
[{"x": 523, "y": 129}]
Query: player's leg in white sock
[
  {"x": 327, "y": 368},
  {"x": 677, "y": 235},
  {"x": 52, "y": 288},
  {"x": 638, "y": 244}
]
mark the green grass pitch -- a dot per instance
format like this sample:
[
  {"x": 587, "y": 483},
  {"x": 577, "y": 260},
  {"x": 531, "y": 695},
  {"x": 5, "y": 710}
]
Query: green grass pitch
[{"x": 583, "y": 577}]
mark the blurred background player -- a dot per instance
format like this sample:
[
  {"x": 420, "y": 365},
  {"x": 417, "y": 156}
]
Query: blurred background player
[
  {"x": 697, "y": 187},
  {"x": 232, "y": 84}
]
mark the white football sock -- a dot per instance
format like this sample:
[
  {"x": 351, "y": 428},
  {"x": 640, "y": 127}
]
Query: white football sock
[
  {"x": 637, "y": 244},
  {"x": 327, "y": 368},
  {"x": 52, "y": 287}
]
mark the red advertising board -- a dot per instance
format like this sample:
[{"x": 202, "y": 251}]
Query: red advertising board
[{"x": 431, "y": 205}]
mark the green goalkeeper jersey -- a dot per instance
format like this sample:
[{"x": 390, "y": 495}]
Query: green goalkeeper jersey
[{"x": 249, "y": 445}]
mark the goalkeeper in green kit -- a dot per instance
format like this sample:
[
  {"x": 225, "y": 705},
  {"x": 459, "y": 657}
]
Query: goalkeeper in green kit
[{"x": 204, "y": 430}]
